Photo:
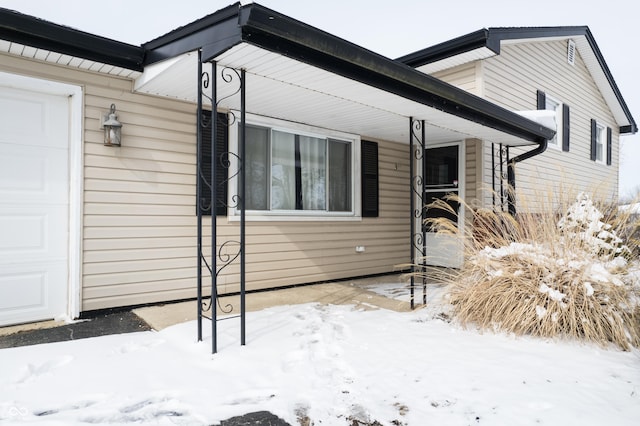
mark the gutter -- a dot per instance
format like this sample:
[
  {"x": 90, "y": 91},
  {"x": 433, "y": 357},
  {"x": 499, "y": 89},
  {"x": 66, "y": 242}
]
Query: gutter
[
  {"x": 511, "y": 173},
  {"x": 459, "y": 45},
  {"x": 31, "y": 31},
  {"x": 278, "y": 33},
  {"x": 269, "y": 30}
]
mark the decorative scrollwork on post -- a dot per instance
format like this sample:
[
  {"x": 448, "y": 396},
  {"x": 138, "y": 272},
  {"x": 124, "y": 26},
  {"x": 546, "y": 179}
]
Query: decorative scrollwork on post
[
  {"x": 417, "y": 153},
  {"x": 229, "y": 75},
  {"x": 417, "y": 186},
  {"x": 226, "y": 254},
  {"x": 214, "y": 181}
]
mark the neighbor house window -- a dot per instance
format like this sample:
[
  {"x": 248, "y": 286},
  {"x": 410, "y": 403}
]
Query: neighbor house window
[
  {"x": 296, "y": 172},
  {"x": 598, "y": 140},
  {"x": 601, "y": 143},
  {"x": 600, "y": 129}
]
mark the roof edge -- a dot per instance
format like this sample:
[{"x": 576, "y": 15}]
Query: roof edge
[
  {"x": 194, "y": 27},
  {"x": 492, "y": 37},
  {"x": 212, "y": 34},
  {"x": 265, "y": 28},
  {"x": 39, "y": 33},
  {"x": 453, "y": 47},
  {"x": 486, "y": 37},
  {"x": 273, "y": 31},
  {"x": 632, "y": 127}
]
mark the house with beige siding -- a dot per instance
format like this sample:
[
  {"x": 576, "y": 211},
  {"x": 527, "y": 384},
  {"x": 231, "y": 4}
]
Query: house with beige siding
[
  {"x": 257, "y": 152},
  {"x": 560, "y": 69}
]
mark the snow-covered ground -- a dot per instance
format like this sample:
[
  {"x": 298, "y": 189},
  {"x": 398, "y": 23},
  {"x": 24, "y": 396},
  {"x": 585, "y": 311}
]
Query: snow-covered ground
[
  {"x": 329, "y": 363},
  {"x": 633, "y": 209}
]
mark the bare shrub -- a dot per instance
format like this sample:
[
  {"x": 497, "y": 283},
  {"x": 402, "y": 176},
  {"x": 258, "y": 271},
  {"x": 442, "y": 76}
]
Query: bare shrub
[
  {"x": 550, "y": 274},
  {"x": 630, "y": 229}
]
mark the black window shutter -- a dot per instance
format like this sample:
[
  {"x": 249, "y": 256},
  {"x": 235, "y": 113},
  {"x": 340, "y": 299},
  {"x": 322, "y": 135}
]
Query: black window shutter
[
  {"x": 609, "y": 147},
  {"x": 369, "y": 161},
  {"x": 566, "y": 128},
  {"x": 222, "y": 147},
  {"x": 541, "y": 101},
  {"x": 594, "y": 129}
]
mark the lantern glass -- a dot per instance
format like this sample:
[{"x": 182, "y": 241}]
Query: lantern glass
[{"x": 112, "y": 129}]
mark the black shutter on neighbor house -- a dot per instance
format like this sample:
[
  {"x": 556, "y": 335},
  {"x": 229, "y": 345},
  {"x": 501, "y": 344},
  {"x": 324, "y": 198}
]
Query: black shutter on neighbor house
[
  {"x": 566, "y": 128},
  {"x": 594, "y": 130},
  {"x": 222, "y": 147},
  {"x": 609, "y": 146},
  {"x": 369, "y": 156},
  {"x": 541, "y": 102}
]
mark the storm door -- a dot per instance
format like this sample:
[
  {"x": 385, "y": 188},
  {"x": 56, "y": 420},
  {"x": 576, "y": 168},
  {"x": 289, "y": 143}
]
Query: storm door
[{"x": 443, "y": 177}]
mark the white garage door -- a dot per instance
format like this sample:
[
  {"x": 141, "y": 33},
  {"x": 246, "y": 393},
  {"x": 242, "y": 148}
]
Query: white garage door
[{"x": 34, "y": 205}]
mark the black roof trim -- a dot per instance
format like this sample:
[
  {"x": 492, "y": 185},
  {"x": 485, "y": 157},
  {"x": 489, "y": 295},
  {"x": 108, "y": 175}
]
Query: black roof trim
[
  {"x": 270, "y": 30},
  {"x": 273, "y": 31},
  {"x": 35, "y": 32},
  {"x": 265, "y": 28},
  {"x": 215, "y": 32},
  {"x": 491, "y": 38},
  {"x": 456, "y": 46}
]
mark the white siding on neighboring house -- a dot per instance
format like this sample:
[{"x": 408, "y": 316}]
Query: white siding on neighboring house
[
  {"x": 139, "y": 234},
  {"x": 511, "y": 80}
]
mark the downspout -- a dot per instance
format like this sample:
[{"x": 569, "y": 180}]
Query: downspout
[{"x": 511, "y": 173}]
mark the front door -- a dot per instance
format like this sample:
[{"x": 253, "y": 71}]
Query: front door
[{"x": 443, "y": 177}]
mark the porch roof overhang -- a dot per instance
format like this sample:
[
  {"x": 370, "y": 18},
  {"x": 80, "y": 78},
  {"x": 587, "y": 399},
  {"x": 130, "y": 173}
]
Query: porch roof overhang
[{"x": 299, "y": 73}]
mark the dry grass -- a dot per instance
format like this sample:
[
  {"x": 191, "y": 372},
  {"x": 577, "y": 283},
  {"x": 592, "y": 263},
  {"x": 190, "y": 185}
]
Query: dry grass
[{"x": 531, "y": 276}]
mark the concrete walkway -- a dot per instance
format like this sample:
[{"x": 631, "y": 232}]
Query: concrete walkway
[
  {"x": 368, "y": 293},
  {"x": 351, "y": 292}
]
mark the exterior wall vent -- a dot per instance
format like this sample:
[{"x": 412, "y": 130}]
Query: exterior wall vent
[{"x": 571, "y": 52}]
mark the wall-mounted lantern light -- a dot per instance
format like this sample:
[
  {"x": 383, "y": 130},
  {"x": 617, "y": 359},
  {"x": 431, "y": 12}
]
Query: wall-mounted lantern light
[{"x": 112, "y": 128}]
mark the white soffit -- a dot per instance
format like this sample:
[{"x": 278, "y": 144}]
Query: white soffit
[
  {"x": 454, "y": 61},
  {"x": 284, "y": 88},
  {"x": 29, "y": 52}
]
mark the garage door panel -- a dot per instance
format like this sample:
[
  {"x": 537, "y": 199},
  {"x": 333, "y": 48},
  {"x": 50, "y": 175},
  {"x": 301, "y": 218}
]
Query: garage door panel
[
  {"x": 31, "y": 174},
  {"x": 38, "y": 297},
  {"x": 32, "y": 294},
  {"x": 29, "y": 118},
  {"x": 34, "y": 205},
  {"x": 28, "y": 235}
]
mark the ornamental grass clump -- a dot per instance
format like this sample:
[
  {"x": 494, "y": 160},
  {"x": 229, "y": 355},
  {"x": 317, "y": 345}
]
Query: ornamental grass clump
[{"x": 549, "y": 275}]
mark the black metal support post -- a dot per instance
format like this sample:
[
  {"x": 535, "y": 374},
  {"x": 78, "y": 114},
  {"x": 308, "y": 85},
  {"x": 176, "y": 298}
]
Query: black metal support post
[
  {"x": 227, "y": 252},
  {"x": 242, "y": 181},
  {"x": 423, "y": 226},
  {"x": 199, "y": 190},
  {"x": 412, "y": 221},
  {"x": 418, "y": 235},
  {"x": 214, "y": 209}
]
